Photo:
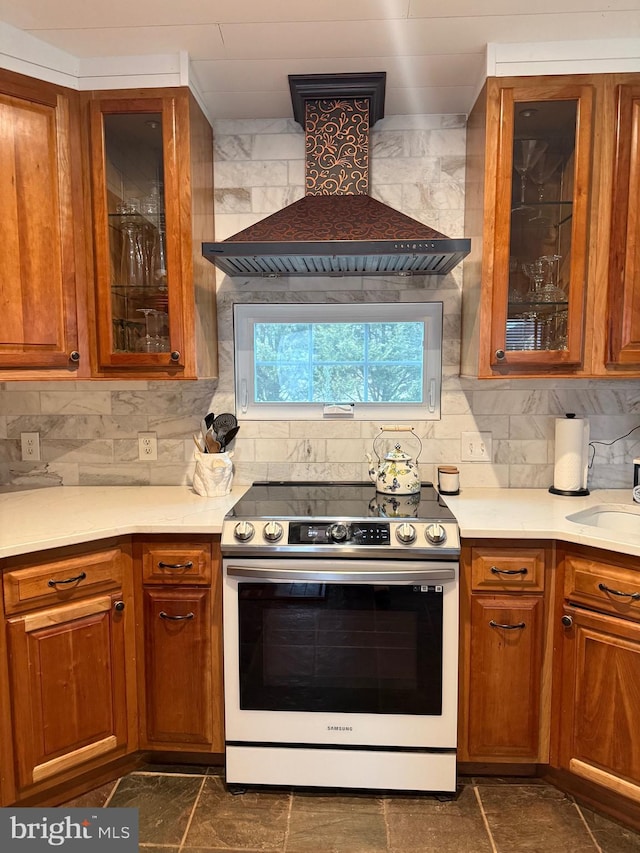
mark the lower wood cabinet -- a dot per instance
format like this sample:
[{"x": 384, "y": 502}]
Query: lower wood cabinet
[
  {"x": 178, "y": 627},
  {"x": 180, "y": 641},
  {"x": 505, "y": 653},
  {"x": 71, "y": 668},
  {"x": 505, "y": 675},
  {"x": 599, "y": 660}
]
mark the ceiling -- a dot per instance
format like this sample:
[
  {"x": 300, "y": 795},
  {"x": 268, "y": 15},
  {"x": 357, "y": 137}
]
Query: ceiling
[{"x": 241, "y": 51}]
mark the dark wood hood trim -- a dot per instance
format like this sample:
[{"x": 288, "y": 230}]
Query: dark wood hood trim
[{"x": 369, "y": 86}]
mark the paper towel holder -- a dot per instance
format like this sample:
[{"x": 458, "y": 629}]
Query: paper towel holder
[{"x": 571, "y": 493}]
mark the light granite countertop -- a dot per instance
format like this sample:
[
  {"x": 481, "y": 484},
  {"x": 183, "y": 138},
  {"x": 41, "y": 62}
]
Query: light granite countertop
[
  {"x": 537, "y": 514},
  {"x": 36, "y": 519}
]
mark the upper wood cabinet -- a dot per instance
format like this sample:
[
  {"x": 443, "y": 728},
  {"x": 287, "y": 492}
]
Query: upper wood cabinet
[
  {"x": 42, "y": 263},
  {"x": 529, "y": 156},
  {"x": 623, "y": 343},
  {"x": 551, "y": 285},
  {"x": 151, "y": 166}
]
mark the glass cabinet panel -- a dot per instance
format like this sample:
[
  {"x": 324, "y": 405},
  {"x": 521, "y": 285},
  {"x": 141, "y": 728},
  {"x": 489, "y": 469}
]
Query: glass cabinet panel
[
  {"x": 543, "y": 174},
  {"x": 137, "y": 232},
  {"x": 541, "y": 220}
]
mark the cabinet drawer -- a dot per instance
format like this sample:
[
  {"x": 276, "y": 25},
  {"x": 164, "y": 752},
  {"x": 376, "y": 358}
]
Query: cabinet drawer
[
  {"x": 612, "y": 589},
  {"x": 60, "y": 580},
  {"x": 502, "y": 569},
  {"x": 173, "y": 561}
]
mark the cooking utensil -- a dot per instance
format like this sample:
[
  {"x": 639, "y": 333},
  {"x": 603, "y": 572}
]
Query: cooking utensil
[
  {"x": 224, "y": 422},
  {"x": 229, "y": 436},
  {"x": 198, "y": 444},
  {"x": 211, "y": 444},
  {"x": 209, "y": 419}
]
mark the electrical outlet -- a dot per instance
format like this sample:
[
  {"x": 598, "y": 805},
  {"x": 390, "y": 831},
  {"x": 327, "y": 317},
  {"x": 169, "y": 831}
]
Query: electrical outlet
[
  {"x": 475, "y": 447},
  {"x": 147, "y": 446},
  {"x": 30, "y": 443}
]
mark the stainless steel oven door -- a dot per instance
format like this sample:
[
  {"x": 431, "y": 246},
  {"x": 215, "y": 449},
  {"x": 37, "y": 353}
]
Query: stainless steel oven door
[{"x": 341, "y": 652}]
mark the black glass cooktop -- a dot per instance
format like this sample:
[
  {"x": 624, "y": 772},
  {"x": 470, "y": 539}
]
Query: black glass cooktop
[{"x": 335, "y": 501}]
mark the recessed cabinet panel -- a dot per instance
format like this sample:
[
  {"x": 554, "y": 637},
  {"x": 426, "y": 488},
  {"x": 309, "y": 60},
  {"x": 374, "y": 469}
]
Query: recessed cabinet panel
[
  {"x": 624, "y": 261},
  {"x": 38, "y": 206}
]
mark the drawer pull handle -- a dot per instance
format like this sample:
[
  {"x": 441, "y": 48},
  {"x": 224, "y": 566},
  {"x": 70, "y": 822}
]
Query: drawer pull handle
[
  {"x": 508, "y": 627},
  {"x": 634, "y": 595},
  {"x": 187, "y": 565},
  {"x": 164, "y": 615},
  {"x": 79, "y": 577},
  {"x": 496, "y": 571}
]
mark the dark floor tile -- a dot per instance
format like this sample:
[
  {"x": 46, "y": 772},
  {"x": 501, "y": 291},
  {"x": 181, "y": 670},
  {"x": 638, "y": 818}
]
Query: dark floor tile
[
  {"x": 92, "y": 799},
  {"x": 181, "y": 769},
  {"x": 255, "y": 820},
  {"x": 611, "y": 836},
  {"x": 308, "y": 801},
  {"x": 533, "y": 819},
  {"x": 345, "y": 831},
  {"x": 164, "y": 804},
  {"x": 429, "y": 824},
  {"x": 463, "y": 803}
]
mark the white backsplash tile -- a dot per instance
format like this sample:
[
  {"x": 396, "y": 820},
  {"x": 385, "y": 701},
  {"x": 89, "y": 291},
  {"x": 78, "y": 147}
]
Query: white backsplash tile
[{"x": 89, "y": 430}]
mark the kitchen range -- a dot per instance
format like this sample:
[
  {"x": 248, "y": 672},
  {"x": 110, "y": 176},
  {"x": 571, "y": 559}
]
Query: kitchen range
[{"x": 341, "y": 638}]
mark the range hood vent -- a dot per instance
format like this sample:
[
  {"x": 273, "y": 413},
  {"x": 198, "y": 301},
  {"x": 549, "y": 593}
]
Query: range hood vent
[{"x": 337, "y": 228}]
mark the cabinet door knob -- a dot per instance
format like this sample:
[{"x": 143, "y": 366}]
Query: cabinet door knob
[
  {"x": 119, "y": 606},
  {"x": 175, "y": 356},
  {"x": 74, "y": 356},
  {"x": 567, "y": 621},
  {"x": 500, "y": 354}
]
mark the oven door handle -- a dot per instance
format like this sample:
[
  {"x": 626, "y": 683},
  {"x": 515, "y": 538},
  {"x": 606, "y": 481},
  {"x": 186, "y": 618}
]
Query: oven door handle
[{"x": 418, "y": 573}]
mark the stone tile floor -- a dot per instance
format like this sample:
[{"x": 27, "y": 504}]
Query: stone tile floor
[{"x": 188, "y": 810}]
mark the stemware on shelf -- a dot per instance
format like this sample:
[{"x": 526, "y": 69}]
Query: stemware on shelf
[
  {"x": 526, "y": 153},
  {"x": 155, "y": 324},
  {"x": 543, "y": 170}
]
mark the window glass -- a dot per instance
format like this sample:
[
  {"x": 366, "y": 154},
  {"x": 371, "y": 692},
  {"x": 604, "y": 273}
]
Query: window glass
[{"x": 306, "y": 360}]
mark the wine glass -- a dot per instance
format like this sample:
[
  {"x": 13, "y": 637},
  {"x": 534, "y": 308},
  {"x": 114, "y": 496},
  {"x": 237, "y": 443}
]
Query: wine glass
[
  {"x": 543, "y": 169},
  {"x": 549, "y": 291},
  {"x": 154, "y": 324},
  {"x": 526, "y": 153}
]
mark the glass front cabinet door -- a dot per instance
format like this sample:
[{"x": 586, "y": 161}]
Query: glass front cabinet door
[
  {"x": 138, "y": 265},
  {"x": 534, "y": 160}
]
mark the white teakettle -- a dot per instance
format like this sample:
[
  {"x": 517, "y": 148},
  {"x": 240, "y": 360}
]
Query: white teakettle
[{"x": 396, "y": 474}]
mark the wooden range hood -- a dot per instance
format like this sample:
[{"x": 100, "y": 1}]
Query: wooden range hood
[{"x": 337, "y": 228}]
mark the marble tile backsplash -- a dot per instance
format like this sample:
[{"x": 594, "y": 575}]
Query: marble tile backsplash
[{"x": 88, "y": 430}]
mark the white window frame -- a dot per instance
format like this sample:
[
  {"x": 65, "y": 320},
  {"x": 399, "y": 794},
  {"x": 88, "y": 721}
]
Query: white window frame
[{"x": 246, "y": 315}]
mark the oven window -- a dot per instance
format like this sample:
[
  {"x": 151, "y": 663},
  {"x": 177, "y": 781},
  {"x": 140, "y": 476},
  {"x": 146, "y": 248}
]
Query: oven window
[{"x": 340, "y": 647}]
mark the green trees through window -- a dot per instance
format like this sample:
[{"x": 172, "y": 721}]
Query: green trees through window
[{"x": 379, "y": 362}]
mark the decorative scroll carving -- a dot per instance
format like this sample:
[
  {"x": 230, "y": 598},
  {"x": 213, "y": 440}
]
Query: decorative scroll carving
[{"x": 337, "y": 147}]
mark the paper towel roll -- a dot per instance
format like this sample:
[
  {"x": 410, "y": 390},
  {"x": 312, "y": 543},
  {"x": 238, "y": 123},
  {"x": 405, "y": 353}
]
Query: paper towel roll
[{"x": 571, "y": 456}]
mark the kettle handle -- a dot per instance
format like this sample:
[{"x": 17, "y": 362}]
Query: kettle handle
[{"x": 396, "y": 428}]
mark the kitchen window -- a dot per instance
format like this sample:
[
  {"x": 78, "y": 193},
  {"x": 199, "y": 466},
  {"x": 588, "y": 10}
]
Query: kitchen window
[{"x": 365, "y": 361}]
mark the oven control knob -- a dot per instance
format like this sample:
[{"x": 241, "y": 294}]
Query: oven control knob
[
  {"x": 405, "y": 533},
  {"x": 272, "y": 531},
  {"x": 436, "y": 534},
  {"x": 243, "y": 531},
  {"x": 338, "y": 532}
]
